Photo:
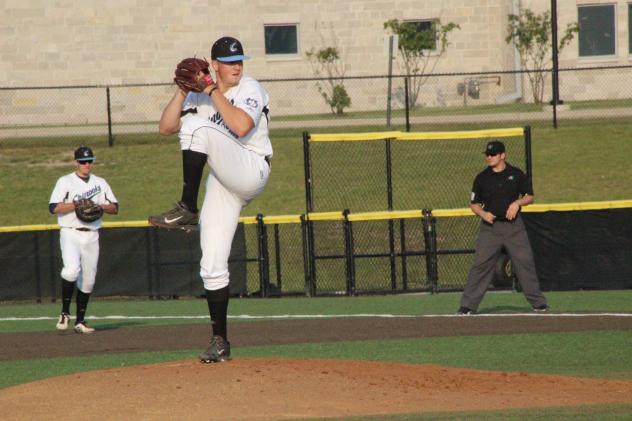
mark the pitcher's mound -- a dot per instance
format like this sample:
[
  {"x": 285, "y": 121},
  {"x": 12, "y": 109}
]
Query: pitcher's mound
[{"x": 257, "y": 388}]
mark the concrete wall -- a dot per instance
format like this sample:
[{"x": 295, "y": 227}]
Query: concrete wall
[
  {"x": 65, "y": 42},
  {"x": 90, "y": 42}
]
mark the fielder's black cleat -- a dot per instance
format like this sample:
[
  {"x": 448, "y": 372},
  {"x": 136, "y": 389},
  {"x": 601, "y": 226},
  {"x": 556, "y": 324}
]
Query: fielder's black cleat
[
  {"x": 464, "y": 311},
  {"x": 541, "y": 309},
  {"x": 218, "y": 351},
  {"x": 179, "y": 217}
]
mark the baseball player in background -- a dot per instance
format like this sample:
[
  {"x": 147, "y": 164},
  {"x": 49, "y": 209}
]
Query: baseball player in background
[
  {"x": 498, "y": 194},
  {"x": 226, "y": 125},
  {"x": 79, "y": 239}
]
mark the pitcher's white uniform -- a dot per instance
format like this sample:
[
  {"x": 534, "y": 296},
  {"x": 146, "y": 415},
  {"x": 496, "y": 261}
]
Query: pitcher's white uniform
[
  {"x": 80, "y": 240},
  {"x": 239, "y": 169}
]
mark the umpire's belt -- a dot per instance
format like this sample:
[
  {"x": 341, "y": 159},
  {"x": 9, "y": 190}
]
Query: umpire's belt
[
  {"x": 82, "y": 229},
  {"x": 505, "y": 220}
]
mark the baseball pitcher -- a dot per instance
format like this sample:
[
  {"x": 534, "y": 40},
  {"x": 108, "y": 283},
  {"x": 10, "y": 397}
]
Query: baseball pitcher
[{"x": 224, "y": 123}]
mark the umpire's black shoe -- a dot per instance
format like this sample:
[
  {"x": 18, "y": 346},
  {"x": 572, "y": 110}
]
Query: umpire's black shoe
[
  {"x": 464, "y": 311},
  {"x": 541, "y": 309},
  {"x": 218, "y": 351},
  {"x": 179, "y": 217}
]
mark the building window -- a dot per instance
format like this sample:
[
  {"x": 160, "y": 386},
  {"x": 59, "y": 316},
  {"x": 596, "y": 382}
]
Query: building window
[
  {"x": 281, "y": 39},
  {"x": 596, "y": 30},
  {"x": 630, "y": 28},
  {"x": 427, "y": 31}
]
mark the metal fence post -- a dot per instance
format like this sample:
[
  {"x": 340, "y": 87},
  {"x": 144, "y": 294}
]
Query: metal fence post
[
  {"x": 389, "y": 175},
  {"x": 402, "y": 244},
  {"x": 555, "y": 68},
  {"x": 264, "y": 275},
  {"x": 308, "y": 261},
  {"x": 389, "y": 80},
  {"x": 308, "y": 174},
  {"x": 277, "y": 257},
  {"x": 109, "y": 111},
  {"x": 430, "y": 240},
  {"x": 406, "y": 87},
  {"x": 527, "y": 152},
  {"x": 349, "y": 256},
  {"x": 392, "y": 255}
]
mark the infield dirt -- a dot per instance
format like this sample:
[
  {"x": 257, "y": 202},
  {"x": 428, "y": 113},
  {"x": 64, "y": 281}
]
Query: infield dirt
[{"x": 259, "y": 389}]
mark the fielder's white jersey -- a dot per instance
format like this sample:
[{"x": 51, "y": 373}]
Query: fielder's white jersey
[
  {"x": 249, "y": 96},
  {"x": 71, "y": 187}
]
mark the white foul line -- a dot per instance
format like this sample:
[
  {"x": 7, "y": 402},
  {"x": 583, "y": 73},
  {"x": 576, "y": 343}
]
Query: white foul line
[{"x": 324, "y": 316}]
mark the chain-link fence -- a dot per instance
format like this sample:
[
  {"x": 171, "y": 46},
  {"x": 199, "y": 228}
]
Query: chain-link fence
[
  {"x": 391, "y": 170},
  {"x": 129, "y": 113}
]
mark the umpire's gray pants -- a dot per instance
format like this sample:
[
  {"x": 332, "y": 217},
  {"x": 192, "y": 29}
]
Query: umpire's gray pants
[{"x": 491, "y": 239}]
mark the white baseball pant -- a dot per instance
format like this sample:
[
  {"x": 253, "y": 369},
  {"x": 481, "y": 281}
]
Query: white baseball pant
[
  {"x": 80, "y": 254},
  {"x": 237, "y": 176}
]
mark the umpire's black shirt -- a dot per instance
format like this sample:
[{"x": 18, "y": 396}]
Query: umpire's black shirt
[{"x": 495, "y": 191}]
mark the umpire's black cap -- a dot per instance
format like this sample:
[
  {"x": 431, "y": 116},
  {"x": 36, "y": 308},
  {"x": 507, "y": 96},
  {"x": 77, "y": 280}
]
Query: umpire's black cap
[
  {"x": 494, "y": 148},
  {"x": 84, "y": 153},
  {"x": 228, "y": 50}
]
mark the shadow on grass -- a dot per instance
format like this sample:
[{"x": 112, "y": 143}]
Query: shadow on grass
[
  {"x": 116, "y": 325},
  {"x": 505, "y": 309}
]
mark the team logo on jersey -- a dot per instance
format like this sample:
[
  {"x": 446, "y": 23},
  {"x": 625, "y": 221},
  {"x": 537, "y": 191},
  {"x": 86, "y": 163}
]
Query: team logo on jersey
[
  {"x": 252, "y": 103},
  {"x": 89, "y": 194},
  {"x": 510, "y": 178}
]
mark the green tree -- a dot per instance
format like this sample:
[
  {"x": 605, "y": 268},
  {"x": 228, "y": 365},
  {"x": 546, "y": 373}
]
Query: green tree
[
  {"x": 327, "y": 62},
  {"x": 420, "y": 50},
  {"x": 531, "y": 34}
]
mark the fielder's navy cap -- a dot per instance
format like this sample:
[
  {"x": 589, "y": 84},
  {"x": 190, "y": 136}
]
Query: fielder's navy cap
[
  {"x": 228, "y": 50},
  {"x": 84, "y": 153},
  {"x": 494, "y": 148}
]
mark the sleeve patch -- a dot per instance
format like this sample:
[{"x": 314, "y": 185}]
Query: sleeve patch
[{"x": 252, "y": 103}]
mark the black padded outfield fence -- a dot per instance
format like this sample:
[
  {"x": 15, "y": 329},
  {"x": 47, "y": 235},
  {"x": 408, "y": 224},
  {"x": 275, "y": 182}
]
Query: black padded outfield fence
[{"x": 576, "y": 246}]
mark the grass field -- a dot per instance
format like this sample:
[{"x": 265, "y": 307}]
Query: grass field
[
  {"x": 599, "y": 354},
  {"x": 580, "y": 161}
]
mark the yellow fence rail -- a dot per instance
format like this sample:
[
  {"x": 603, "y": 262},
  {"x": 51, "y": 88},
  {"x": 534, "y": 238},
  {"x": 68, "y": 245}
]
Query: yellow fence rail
[
  {"x": 397, "y": 135},
  {"x": 364, "y": 216}
]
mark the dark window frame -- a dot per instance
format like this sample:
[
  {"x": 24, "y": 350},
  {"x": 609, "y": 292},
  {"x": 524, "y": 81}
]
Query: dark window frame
[
  {"x": 599, "y": 47},
  {"x": 630, "y": 28},
  {"x": 283, "y": 51}
]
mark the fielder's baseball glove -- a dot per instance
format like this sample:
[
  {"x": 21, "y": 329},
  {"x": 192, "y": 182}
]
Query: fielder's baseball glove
[
  {"x": 187, "y": 75},
  {"x": 88, "y": 211}
]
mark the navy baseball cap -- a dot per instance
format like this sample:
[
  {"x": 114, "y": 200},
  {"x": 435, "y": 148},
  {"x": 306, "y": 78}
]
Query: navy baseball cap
[
  {"x": 84, "y": 153},
  {"x": 494, "y": 148},
  {"x": 228, "y": 50}
]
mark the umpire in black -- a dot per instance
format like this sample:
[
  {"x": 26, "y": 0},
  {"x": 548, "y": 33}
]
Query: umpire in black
[{"x": 498, "y": 193}]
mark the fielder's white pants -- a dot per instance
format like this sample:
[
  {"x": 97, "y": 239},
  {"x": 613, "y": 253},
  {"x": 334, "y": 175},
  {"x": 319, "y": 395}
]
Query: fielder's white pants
[
  {"x": 80, "y": 254},
  {"x": 237, "y": 176}
]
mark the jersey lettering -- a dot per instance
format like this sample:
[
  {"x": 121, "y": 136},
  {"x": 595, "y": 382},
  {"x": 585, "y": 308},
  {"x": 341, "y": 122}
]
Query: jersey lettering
[
  {"x": 87, "y": 195},
  {"x": 217, "y": 119}
]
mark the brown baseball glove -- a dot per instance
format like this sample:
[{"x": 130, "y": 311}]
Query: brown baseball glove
[
  {"x": 88, "y": 211},
  {"x": 188, "y": 76}
]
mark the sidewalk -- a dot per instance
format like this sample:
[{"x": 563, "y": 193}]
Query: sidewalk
[{"x": 521, "y": 118}]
